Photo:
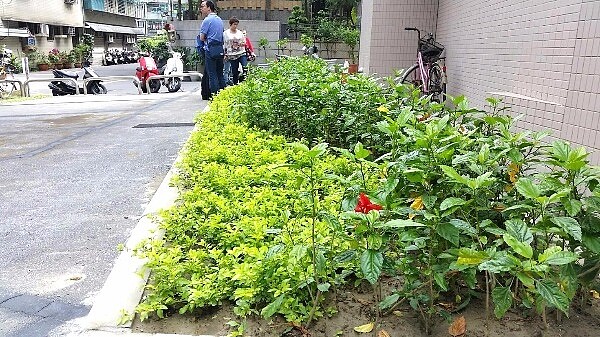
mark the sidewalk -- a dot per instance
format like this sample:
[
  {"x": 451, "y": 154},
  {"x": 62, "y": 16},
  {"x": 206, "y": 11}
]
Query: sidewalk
[{"x": 124, "y": 286}]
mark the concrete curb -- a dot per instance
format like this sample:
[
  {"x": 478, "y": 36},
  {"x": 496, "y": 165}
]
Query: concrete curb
[{"x": 125, "y": 283}]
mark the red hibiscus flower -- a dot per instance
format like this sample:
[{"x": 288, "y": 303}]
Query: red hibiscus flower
[{"x": 365, "y": 205}]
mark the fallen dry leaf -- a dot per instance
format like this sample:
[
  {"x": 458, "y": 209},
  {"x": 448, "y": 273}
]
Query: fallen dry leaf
[
  {"x": 398, "y": 313},
  {"x": 458, "y": 327},
  {"x": 595, "y": 294},
  {"x": 365, "y": 328},
  {"x": 383, "y": 333}
]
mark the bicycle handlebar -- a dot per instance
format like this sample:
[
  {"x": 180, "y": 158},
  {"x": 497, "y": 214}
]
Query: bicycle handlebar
[{"x": 415, "y": 29}]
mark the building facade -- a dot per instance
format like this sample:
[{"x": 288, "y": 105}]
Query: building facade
[
  {"x": 541, "y": 57},
  {"x": 25, "y": 26},
  {"x": 115, "y": 24}
]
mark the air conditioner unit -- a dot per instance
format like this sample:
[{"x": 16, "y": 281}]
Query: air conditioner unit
[
  {"x": 44, "y": 29},
  {"x": 69, "y": 2},
  {"x": 110, "y": 38}
]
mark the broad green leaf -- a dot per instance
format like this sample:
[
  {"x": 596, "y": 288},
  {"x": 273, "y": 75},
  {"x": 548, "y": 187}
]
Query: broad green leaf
[
  {"x": 318, "y": 150},
  {"x": 323, "y": 287},
  {"x": 502, "y": 297},
  {"x": 414, "y": 175},
  {"x": 519, "y": 230},
  {"x": 592, "y": 243},
  {"x": 371, "y": 263},
  {"x": 274, "y": 250},
  {"x": 521, "y": 248},
  {"x": 451, "y": 173},
  {"x": 498, "y": 264},
  {"x": 469, "y": 257},
  {"x": 440, "y": 280},
  {"x": 463, "y": 226},
  {"x": 560, "y": 150},
  {"x": 557, "y": 196},
  {"x": 561, "y": 258},
  {"x": 527, "y": 188},
  {"x": 399, "y": 223},
  {"x": 569, "y": 225},
  {"x": 577, "y": 159},
  {"x": 448, "y": 232},
  {"x": 299, "y": 146},
  {"x": 484, "y": 154},
  {"x": 389, "y": 301},
  {"x": 572, "y": 206},
  {"x": 374, "y": 241},
  {"x": 429, "y": 200},
  {"x": 451, "y": 202},
  {"x": 552, "y": 294},
  {"x": 360, "y": 152},
  {"x": 481, "y": 181},
  {"x": 298, "y": 252},
  {"x": 321, "y": 262},
  {"x": 345, "y": 256},
  {"x": 526, "y": 279},
  {"x": 548, "y": 252},
  {"x": 272, "y": 307}
]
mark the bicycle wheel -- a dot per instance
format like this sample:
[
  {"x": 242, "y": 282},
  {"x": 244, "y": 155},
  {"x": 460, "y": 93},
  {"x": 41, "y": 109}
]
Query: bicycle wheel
[
  {"x": 7, "y": 88},
  {"x": 411, "y": 76},
  {"x": 435, "y": 84}
]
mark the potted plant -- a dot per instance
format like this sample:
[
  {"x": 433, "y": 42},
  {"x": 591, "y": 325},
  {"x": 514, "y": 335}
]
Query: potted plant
[
  {"x": 350, "y": 37},
  {"x": 65, "y": 59},
  {"x": 76, "y": 56},
  {"x": 40, "y": 60},
  {"x": 54, "y": 59}
]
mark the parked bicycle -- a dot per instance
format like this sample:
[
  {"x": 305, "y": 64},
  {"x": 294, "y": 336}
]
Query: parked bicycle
[
  {"x": 427, "y": 74},
  {"x": 6, "y": 73}
]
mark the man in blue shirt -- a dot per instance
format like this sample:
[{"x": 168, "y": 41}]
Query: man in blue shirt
[{"x": 211, "y": 33}]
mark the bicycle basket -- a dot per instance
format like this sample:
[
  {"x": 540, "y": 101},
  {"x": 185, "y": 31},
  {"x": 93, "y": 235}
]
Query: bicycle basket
[{"x": 430, "y": 50}]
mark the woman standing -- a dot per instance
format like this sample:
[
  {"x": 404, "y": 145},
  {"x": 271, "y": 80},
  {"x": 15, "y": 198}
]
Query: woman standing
[{"x": 235, "y": 48}]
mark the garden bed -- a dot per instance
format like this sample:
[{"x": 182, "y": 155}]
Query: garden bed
[
  {"x": 357, "y": 308},
  {"x": 324, "y": 203}
]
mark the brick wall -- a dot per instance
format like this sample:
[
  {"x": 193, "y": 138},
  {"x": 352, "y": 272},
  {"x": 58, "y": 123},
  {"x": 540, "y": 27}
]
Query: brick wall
[{"x": 541, "y": 56}]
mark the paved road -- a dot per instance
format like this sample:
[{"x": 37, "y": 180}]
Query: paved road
[{"x": 75, "y": 175}]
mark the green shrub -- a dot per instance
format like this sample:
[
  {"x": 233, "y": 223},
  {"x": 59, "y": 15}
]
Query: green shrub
[{"x": 300, "y": 98}]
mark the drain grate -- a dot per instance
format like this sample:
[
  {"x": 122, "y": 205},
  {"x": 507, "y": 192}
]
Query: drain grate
[{"x": 162, "y": 125}]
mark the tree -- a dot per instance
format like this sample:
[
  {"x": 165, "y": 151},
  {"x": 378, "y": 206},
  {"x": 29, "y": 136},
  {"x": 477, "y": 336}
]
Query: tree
[{"x": 342, "y": 9}]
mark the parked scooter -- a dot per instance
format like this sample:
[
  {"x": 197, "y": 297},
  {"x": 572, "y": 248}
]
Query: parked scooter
[
  {"x": 145, "y": 70},
  {"x": 108, "y": 58},
  {"x": 64, "y": 88},
  {"x": 174, "y": 66}
]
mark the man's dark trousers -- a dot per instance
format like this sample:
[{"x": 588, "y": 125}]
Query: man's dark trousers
[{"x": 214, "y": 67}]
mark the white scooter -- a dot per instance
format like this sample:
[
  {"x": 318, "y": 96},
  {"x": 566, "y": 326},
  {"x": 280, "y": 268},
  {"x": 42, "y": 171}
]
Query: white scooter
[{"x": 174, "y": 66}]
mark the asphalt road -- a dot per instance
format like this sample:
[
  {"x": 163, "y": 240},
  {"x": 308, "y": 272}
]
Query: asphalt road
[{"x": 75, "y": 175}]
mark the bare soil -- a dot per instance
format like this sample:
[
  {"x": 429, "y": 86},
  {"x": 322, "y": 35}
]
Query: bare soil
[{"x": 355, "y": 309}]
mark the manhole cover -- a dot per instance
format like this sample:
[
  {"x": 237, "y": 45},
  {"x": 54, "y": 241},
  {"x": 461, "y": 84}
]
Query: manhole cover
[{"x": 162, "y": 125}]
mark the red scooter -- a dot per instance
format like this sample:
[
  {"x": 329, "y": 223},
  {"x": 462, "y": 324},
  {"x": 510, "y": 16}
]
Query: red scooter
[{"x": 146, "y": 69}]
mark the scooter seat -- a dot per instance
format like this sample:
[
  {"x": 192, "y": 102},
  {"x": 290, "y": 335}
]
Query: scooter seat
[{"x": 66, "y": 73}]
